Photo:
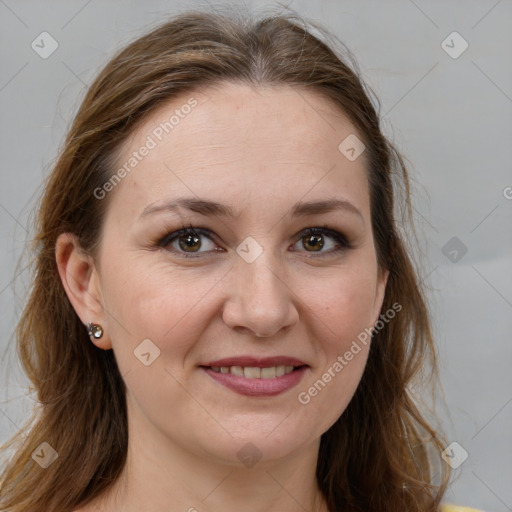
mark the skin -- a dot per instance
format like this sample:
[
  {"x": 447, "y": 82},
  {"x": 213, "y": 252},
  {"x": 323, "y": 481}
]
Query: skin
[{"x": 259, "y": 151}]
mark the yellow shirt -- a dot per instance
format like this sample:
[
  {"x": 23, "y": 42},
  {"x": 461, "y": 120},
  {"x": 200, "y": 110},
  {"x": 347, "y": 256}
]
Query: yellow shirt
[{"x": 453, "y": 508}]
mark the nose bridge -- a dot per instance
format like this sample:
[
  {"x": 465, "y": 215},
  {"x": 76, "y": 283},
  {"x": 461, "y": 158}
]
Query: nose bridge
[
  {"x": 263, "y": 279},
  {"x": 259, "y": 299}
]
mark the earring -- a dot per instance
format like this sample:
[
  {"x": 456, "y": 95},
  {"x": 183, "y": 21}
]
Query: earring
[{"x": 95, "y": 330}]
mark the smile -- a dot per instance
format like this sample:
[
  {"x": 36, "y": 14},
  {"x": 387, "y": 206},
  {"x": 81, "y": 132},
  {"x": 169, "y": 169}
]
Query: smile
[
  {"x": 254, "y": 372},
  {"x": 255, "y": 381}
]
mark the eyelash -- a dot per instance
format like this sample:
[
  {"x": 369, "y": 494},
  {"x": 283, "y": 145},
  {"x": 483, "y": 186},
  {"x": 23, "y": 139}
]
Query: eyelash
[{"x": 338, "y": 237}]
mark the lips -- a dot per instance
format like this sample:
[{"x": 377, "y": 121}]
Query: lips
[
  {"x": 259, "y": 362},
  {"x": 253, "y": 376}
]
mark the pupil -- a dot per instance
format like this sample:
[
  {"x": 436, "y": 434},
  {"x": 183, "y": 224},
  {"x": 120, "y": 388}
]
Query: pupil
[
  {"x": 189, "y": 241},
  {"x": 315, "y": 242}
]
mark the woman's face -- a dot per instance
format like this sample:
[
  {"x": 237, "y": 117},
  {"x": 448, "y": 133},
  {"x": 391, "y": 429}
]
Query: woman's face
[{"x": 278, "y": 274}]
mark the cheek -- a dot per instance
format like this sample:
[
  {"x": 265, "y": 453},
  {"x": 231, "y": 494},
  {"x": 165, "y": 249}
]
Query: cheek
[
  {"x": 341, "y": 312},
  {"x": 344, "y": 303},
  {"x": 152, "y": 300},
  {"x": 169, "y": 307}
]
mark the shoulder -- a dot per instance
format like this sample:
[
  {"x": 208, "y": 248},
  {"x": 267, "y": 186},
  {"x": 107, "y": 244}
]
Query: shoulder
[{"x": 454, "y": 508}]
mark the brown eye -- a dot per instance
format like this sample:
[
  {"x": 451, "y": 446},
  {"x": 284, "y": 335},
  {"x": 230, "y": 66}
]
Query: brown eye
[
  {"x": 189, "y": 243},
  {"x": 313, "y": 242},
  {"x": 323, "y": 241}
]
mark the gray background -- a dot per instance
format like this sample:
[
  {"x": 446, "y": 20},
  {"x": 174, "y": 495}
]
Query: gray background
[{"x": 452, "y": 117}]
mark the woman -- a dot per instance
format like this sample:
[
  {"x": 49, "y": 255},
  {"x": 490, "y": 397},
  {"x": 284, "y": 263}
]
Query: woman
[{"x": 224, "y": 315}]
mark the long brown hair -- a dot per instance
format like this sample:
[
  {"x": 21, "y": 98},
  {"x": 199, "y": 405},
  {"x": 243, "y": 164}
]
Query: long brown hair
[{"x": 375, "y": 457}]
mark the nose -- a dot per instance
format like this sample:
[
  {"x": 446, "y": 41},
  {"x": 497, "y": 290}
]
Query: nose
[{"x": 260, "y": 301}]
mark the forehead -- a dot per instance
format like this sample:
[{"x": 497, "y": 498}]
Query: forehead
[{"x": 239, "y": 142}]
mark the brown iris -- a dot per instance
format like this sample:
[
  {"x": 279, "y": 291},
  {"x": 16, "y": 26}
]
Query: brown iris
[
  {"x": 190, "y": 243},
  {"x": 313, "y": 242}
]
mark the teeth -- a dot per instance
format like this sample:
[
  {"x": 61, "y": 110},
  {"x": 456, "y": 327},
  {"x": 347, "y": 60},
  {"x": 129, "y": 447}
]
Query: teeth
[
  {"x": 237, "y": 370},
  {"x": 268, "y": 373},
  {"x": 250, "y": 372},
  {"x": 254, "y": 372}
]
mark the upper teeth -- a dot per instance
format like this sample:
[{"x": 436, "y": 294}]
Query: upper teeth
[{"x": 253, "y": 372}]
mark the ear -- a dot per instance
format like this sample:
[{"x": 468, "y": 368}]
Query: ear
[
  {"x": 81, "y": 282},
  {"x": 380, "y": 292}
]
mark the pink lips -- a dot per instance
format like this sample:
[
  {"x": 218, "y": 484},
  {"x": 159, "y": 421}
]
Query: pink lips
[
  {"x": 257, "y": 387},
  {"x": 260, "y": 362}
]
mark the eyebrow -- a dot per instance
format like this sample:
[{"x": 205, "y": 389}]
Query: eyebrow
[
  {"x": 326, "y": 206},
  {"x": 201, "y": 206},
  {"x": 205, "y": 207}
]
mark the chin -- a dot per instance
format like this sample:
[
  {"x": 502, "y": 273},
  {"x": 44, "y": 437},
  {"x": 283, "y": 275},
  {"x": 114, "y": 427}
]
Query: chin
[{"x": 250, "y": 446}]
